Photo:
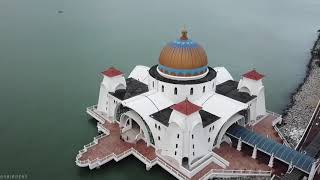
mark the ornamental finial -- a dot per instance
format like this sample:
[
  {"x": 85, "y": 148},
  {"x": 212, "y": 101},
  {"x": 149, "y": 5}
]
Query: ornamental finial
[{"x": 184, "y": 33}]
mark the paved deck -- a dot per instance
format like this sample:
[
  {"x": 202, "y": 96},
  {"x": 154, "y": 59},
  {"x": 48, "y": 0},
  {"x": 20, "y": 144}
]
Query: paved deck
[
  {"x": 264, "y": 127},
  {"x": 112, "y": 144},
  {"x": 238, "y": 160}
]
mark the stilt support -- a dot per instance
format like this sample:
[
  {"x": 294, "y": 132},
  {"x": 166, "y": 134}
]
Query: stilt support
[
  {"x": 239, "y": 144},
  {"x": 254, "y": 153},
  {"x": 271, "y": 161},
  {"x": 148, "y": 167}
]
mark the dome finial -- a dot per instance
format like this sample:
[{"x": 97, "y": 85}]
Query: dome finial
[{"x": 184, "y": 33}]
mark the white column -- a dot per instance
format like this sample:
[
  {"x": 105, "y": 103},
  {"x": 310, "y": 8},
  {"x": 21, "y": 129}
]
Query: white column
[
  {"x": 271, "y": 161},
  {"x": 239, "y": 144},
  {"x": 254, "y": 153}
]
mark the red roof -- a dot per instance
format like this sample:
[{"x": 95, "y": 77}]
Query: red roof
[
  {"x": 111, "y": 72},
  {"x": 186, "y": 107},
  {"x": 254, "y": 75}
]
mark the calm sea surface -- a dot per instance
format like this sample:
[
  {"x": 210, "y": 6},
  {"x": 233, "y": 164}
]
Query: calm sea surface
[{"x": 50, "y": 64}]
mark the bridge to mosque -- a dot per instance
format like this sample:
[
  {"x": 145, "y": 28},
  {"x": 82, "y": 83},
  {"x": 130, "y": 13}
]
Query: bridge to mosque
[{"x": 289, "y": 156}]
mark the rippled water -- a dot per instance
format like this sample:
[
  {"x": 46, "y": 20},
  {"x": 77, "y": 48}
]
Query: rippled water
[{"x": 50, "y": 64}]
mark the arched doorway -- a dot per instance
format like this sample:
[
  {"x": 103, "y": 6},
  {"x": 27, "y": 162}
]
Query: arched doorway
[
  {"x": 245, "y": 89},
  {"x": 133, "y": 128},
  {"x": 185, "y": 162},
  {"x": 233, "y": 119},
  {"x": 119, "y": 110},
  {"x": 131, "y": 132}
]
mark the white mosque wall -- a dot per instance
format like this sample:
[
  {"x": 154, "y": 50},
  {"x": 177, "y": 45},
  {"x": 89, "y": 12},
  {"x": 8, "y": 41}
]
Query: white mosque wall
[
  {"x": 173, "y": 142},
  {"x": 109, "y": 84},
  {"x": 198, "y": 144},
  {"x": 183, "y": 91},
  {"x": 250, "y": 86},
  {"x": 160, "y": 132},
  {"x": 254, "y": 87},
  {"x": 147, "y": 104},
  {"x": 222, "y": 107},
  {"x": 186, "y": 137},
  {"x": 166, "y": 138},
  {"x": 252, "y": 110},
  {"x": 261, "y": 102}
]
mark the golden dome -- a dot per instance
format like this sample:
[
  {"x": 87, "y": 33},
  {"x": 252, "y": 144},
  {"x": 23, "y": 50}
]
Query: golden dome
[{"x": 183, "y": 57}]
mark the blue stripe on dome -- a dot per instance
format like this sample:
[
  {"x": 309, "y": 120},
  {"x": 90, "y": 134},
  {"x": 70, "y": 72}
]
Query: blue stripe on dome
[
  {"x": 184, "y": 44},
  {"x": 183, "y": 72}
]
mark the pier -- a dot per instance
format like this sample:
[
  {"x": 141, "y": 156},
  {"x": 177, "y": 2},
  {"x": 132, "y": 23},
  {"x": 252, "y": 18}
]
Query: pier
[{"x": 109, "y": 146}]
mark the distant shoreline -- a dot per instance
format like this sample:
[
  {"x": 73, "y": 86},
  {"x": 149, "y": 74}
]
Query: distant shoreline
[{"x": 298, "y": 112}]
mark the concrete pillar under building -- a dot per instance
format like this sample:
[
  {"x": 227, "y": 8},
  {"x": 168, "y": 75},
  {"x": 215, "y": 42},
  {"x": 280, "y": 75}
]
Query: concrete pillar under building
[
  {"x": 239, "y": 145},
  {"x": 271, "y": 161},
  {"x": 254, "y": 152},
  {"x": 148, "y": 167}
]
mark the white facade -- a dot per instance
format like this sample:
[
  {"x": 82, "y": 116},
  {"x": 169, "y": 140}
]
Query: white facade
[
  {"x": 254, "y": 87},
  {"x": 184, "y": 140}
]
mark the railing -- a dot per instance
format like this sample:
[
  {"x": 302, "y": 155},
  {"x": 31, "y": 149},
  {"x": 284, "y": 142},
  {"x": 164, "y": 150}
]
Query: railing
[
  {"x": 124, "y": 153},
  {"x": 278, "y": 117},
  {"x": 100, "y": 161},
  {"x": 273, "y": 113},
  {"x": 221, "y": 159},
  {"x": 141, "y": 156},
  {"x": 173, "y": 170},
  {"x": 89, "y": 145},
  {"x": 92, "y": 111},
  {"x": 235, "y": 173},
  {"x": 277, "y": 120},
  {"x": 187, "y": 173},
  {"x": 281, "y": 136},
  {"x": 103, "y": 129},
  {"x": 99, "y": 137},
  {"x": 85, "y": 148}
]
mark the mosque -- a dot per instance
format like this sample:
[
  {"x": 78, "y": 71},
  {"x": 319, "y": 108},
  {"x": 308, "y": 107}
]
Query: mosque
[{"x": 193, "y": 120}]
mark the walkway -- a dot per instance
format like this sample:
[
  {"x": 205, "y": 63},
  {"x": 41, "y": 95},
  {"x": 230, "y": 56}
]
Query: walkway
[
  {"x": 112, "y": 144},
  {"x": 272, "y": 148}
]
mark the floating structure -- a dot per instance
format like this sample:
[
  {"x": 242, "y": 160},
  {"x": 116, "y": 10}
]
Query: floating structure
[{"x": 194, "y": 121}]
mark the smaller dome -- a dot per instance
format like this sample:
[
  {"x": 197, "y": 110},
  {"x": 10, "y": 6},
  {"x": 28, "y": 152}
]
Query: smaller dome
[{"x": 183, "y": 58}]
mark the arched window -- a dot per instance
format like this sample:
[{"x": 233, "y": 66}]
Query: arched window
[
  {"x": 176, "y": 145},
  {"x": 175, "y": 152},
  {"x": 208, "y": 139},
  {"x": 178, "y": 136},
  {"x": 159, "y": 128},
  {"x": 192, "y": 136},
  {"x": 162, "y": 88},
  {"x": 210, "y": 129},
  {"x": 175, "y": 91},
  {"x": 159, "y": 138},
  {"x": 191, "y": 91},
  {"x": 204, "y": 89},
  {"x": 152, "y": 83}
]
